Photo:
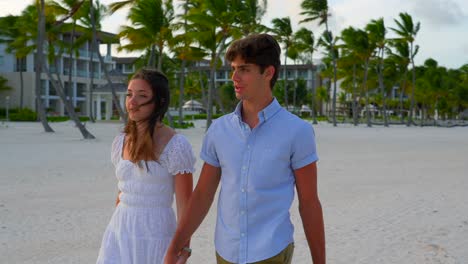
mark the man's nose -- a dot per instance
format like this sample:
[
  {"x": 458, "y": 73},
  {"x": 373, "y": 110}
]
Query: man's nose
[{"x": 235, "y": 76}]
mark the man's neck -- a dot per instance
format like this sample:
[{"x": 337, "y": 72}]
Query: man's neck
[{"x": 251, "y": 109}]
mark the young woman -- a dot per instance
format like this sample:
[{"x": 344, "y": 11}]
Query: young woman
[{"x": 152, "y": 163}]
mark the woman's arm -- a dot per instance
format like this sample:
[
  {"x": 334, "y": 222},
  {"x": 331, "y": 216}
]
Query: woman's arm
[
  {"x": 117, "y": 201},
  {"x": 183, "y": 191}
]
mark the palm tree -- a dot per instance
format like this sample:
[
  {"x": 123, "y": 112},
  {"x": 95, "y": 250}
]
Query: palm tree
[
  {"x": 350, "y": 59},
  {"x": 62, "y": 8},
  {"x": 9, "y": 30},
  {"x": 181, "y": 46},
  {"x": 376, "y": 30},
  {"x": 305, "y": 40},
  {"x": 318, "y": 10},
  {"x": 407, "y": 31},
  {"x": 250, "y": 15},
  {"x": 213, "y": 23},
  {"x": 149, "y": 29},
  {"x": 113, "y": 7},
  {"x": 53, "y": 29},
  {"x": 284, "y": 34},
  {"x": 95, "y": 47},
  {"x": 363, "y": 48},
  {"x": 95, "y": 12},
  {"x": 400, "y": 55},
  {"x": 39, "y": 64},
  {"x": 329, "y": 44}
]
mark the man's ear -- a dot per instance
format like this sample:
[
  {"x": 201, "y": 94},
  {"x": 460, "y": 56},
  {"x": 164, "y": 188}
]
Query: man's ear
[{"x": 269, "y": 71}]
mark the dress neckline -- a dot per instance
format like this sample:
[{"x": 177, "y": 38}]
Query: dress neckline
[{"x": 157, "y": 161}]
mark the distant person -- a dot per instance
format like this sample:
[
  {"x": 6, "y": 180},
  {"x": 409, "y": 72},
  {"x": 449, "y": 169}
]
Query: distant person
[
  {"x": 152, "y": 163},
  {"x": 259, "y": 153}
]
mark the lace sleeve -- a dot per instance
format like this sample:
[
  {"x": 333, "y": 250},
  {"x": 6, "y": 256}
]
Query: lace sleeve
[
  {"x": 180, "y": 157},
  {"x": 116, "y": 149}
]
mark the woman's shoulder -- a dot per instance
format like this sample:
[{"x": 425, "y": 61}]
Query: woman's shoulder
[{"x": 118, "y": 139}]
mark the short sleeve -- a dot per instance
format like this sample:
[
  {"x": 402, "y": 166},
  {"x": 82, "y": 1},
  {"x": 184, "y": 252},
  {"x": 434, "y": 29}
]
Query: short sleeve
[
  {"x": 304, "y": 150},
  {"x": 208, "y": 150},
  {"x": 180, "y": 157},
  {"x": 116, "y": 150}
]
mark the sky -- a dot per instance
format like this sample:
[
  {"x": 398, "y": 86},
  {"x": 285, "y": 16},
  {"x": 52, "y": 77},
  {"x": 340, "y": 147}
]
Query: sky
[{"x": 443, "y": 35}]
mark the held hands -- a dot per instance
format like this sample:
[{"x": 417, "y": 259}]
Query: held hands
[{"x": 173, "y": 257}]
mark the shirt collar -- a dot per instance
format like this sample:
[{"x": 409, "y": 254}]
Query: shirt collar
[{"x": 266, "y": 113}]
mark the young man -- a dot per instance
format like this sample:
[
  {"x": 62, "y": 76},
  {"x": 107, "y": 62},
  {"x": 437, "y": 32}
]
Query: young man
[{"x": 258, "y": 153}]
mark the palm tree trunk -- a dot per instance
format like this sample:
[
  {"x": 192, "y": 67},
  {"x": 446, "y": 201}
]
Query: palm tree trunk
[
  {"x": 215, "y": 58},
  {"x": 115, "y": 99},
  {"x": 332, "y": 48},
  {"x": 151, "y": 60},
  {"x": 355, "y": 114},
  {"x": 369, "y": 124},
  {"x": 181, "y": 92},
  {"x": 382, "y": 89},
  {"x": 413, "y": 88},
  {"x": 70, "y": 67},
  {"x": 219, "y": 101},
  {"x": 285, "y": 78},
  {"x": 39, "y": 62},
  {"x": 57, "y": 84},
  {"x": 294, "y": 91},
  {"x": 401, "y": 96},
  {"x": 21, "y": 86},
  {"x": 91, "y": 61},
  {"x": 160, "y": 57},
  {"x": 202, "y": 87},
  {"x": 313, "y": 104},
  {"x": 334, "y": 92}
]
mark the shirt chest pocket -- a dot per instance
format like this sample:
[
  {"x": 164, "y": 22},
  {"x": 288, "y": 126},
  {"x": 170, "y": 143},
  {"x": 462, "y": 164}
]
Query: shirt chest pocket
[{"x": 273, "y": 166}]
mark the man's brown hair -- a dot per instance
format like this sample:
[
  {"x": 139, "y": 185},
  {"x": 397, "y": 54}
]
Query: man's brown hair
[{"x": 260, "y": 49}]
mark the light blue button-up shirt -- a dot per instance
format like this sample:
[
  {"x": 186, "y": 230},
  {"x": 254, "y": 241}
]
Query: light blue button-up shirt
[{"x": 257, "y": 180}]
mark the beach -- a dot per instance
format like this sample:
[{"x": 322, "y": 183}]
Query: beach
[{"x": 389, "y": 195}]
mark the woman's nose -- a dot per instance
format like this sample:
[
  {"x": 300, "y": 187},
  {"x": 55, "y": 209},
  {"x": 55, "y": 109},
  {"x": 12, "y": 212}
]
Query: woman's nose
[{"x": 131, "y": 100}]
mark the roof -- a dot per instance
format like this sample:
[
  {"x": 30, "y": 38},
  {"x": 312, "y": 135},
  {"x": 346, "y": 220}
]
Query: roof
[
  {"x": 119, "y": 87},
  {"x": 126, "y": 60}
]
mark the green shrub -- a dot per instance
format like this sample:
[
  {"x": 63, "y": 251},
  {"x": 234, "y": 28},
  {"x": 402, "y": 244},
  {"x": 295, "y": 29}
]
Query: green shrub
[
  {"x": 201, "y": 116},
  {"x": 24, "y": 114},
  {"x": 176, "y": 124},
  {"x": 65, "y": 118}
]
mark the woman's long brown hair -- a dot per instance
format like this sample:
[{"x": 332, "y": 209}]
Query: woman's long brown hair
[{"x": 141, "y": 147}]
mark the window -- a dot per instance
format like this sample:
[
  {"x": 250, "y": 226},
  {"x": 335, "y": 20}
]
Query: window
[
  {"x": 1, "y": 60},
  {"x": 20, "y": 65}
]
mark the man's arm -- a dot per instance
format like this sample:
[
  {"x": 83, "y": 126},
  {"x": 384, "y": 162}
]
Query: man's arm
[
  {"x": 197, "y": 208},
  {"x": 311, "y": 211}
]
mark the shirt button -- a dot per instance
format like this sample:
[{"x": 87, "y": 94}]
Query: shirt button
[
  {"x": 244, "y": 167},
  {"x": 242, "y": 212},
  {"x": 248, "y": 146},
  {"x": 242, "y": 234},
  {"x": 242, "y": 190}
]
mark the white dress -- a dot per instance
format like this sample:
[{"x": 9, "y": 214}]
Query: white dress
[{"x": 144, "y": 222}]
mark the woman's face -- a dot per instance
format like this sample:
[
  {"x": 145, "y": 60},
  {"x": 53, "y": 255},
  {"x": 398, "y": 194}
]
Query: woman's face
[{"x": 139, "y": 93}]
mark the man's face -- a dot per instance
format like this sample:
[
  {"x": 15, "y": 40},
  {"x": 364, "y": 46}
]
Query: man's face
[{"x": 249, "y": 83}]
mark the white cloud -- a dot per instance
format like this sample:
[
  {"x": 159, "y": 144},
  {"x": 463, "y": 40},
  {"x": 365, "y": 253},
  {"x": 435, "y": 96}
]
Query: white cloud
[{"x": 439, "y": 13}]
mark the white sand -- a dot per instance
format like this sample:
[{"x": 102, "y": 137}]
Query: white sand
[{"x": 390, "y": 195}]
